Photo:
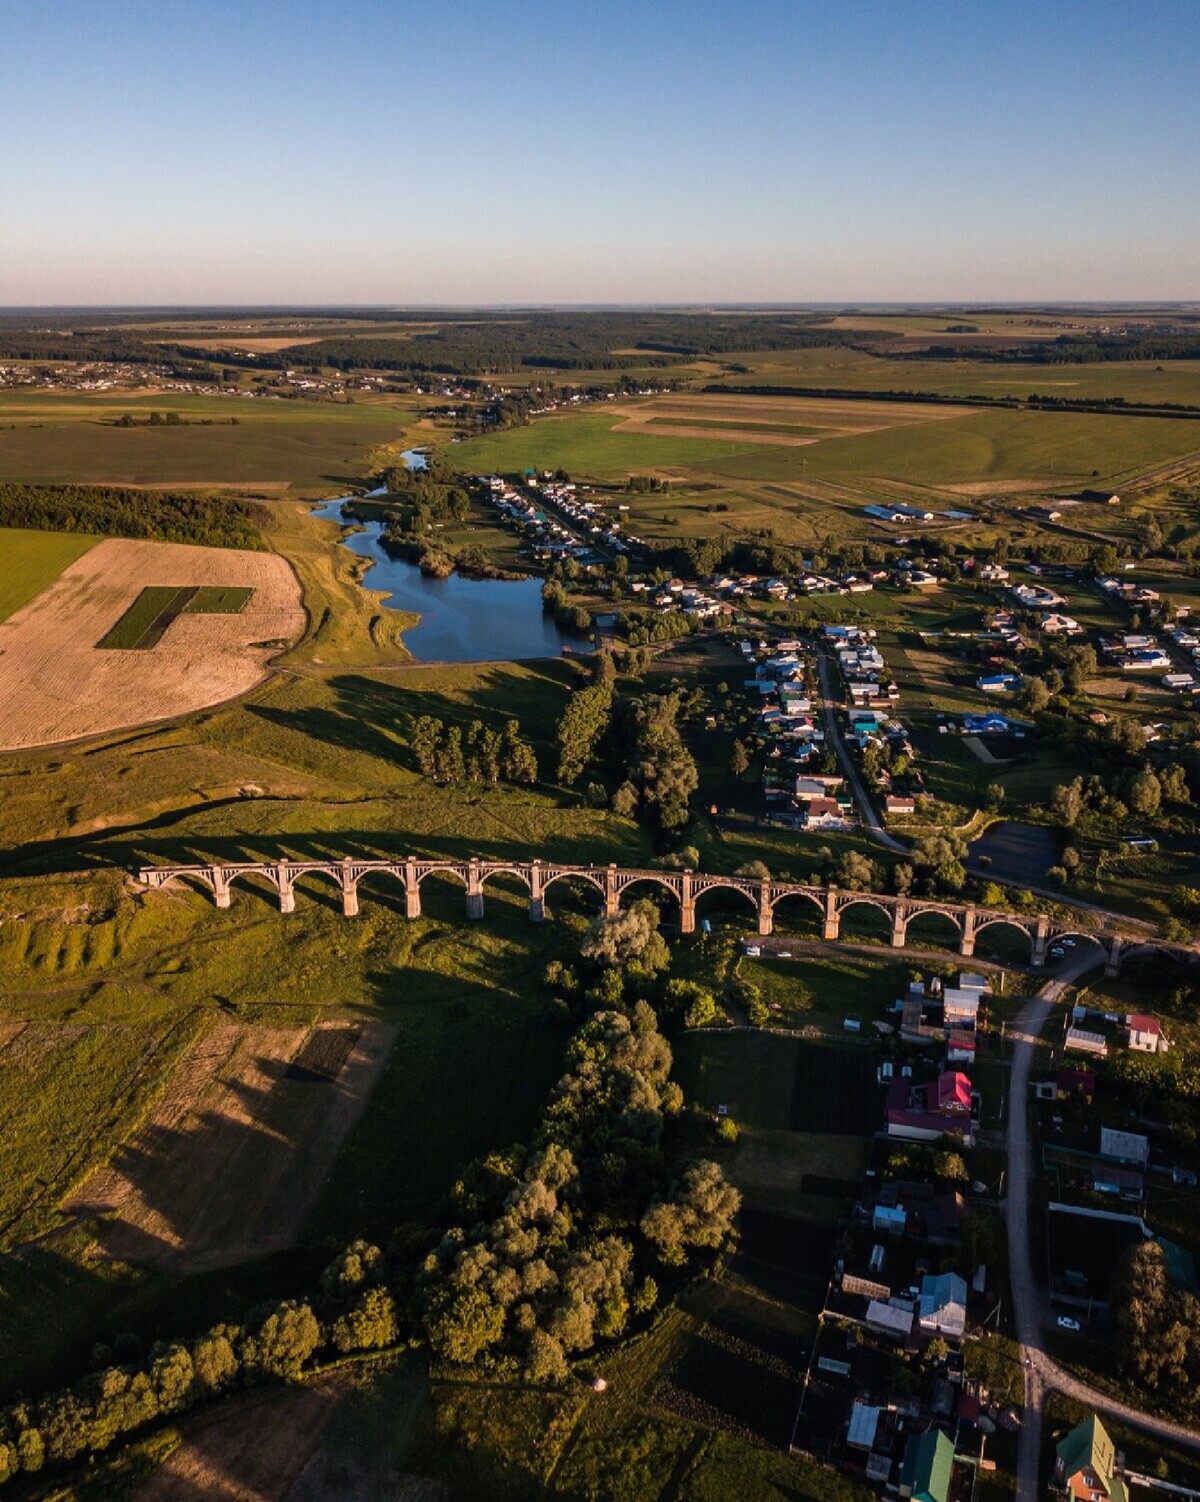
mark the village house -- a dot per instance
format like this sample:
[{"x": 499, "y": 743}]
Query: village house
[
  {"x": 942, "y": 1309},
  {"x": 1145, "y": 1033},
  {"x": 927, "y": 1467},
  {"x": 1085, "y": 1464}
]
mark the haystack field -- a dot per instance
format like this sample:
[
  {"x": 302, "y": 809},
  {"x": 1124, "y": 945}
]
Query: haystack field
[{"x": 57, "y": 685}]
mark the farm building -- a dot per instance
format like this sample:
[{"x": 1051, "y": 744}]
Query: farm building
[{"x": 1083, "y": 1041}]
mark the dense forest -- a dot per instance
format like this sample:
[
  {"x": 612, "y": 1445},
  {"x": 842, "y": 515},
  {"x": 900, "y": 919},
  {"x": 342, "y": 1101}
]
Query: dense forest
[
  {"x": 566, "y": 341},
  {"x": 113, "y": 511}
]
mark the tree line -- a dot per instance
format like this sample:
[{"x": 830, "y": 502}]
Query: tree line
[
  {"x": 114, "y": 511},
  {"x": 444, "y": 753}
]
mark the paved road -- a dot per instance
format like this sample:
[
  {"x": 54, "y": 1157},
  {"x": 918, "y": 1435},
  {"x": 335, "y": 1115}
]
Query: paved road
[{"x": 1042, "y": 1374}]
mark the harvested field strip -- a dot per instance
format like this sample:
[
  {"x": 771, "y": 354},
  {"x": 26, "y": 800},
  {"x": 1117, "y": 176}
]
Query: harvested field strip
[
  {"x": 685, "y": 419},
  {"x": 216, "y": 599},
  {"x": 143, "y": 625}
]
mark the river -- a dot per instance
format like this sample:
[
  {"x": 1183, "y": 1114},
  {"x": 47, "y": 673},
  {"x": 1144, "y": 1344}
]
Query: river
[{"x": 462, "y": 620}]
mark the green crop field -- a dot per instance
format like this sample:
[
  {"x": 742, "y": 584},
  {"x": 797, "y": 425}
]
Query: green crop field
[
  {"x": 218, "y": 599},
  {"x": 142, "y": 626},
  {"x": 586, "y": 444},
  {"x": 31, "y": 560},
  {"x": 980, "y": 448},
  {"x": 319, "y": 447}
]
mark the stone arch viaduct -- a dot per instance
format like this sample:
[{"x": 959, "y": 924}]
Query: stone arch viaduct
[{"x": 685, "y": 887}]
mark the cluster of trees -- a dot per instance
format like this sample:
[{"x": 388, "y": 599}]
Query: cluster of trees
[
  {"x": 659, "y": 773},
  {"x": 173, "y": 420},
  {"x": 1141, "y": 790},
  {"x": 169, "y": 516},
  {"x": 1161, "y": 1086},
  {"x": 570, "y": 617},
  {"x": 484, "y": 754},
  {"x": 353, "y": 1311},
  {"x": 555, "y": 1247},
  {"x": 583, "y": 723},
  {"x": 1156, "y": 1336}
]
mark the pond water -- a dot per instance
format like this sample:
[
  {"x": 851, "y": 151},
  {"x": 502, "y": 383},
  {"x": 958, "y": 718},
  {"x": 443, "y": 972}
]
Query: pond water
[{"x": 462, "y": 620}]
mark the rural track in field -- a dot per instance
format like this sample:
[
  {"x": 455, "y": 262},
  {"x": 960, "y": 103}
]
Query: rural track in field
[{"x": 1031, "y": 1311}]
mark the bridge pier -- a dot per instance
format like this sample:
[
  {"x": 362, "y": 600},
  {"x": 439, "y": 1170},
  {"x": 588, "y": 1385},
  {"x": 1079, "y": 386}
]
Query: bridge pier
[
  {"x": 474, "y": 891},
  {"x": 1112, "y": 962},
  {"x": 687, "y": 905},
  {"x": 899, "y": 930},
  {"x": 220, "y": 885},
  {"x": 350, "y": 901},
  {"x": 412, "y": 890},
  {"x": 966, "y": 946},
  {"x": 537, "y": 897},
  {"x": 612, "y": 893},
  {"x": 1040, "y": 941},
  {"x": 833, "y": 922},
  {"x": 766, "y": 913},
  {"x": 287, "y": 892}
]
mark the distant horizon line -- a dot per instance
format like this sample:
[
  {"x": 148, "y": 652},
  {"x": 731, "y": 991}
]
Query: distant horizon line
[{"x": 713, "y": 306}]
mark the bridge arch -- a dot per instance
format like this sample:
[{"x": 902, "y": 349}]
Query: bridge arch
[
  {"x": 1004, "y": 938},
  {"x": 649, "y": 879},
  {"x": 873, "y": 920},
  {"x": 934, "y": 926},
  {"x": 574, "y": 874},
  {"x": 497, "y": 871},
  {"x": 801, "y": 913}
]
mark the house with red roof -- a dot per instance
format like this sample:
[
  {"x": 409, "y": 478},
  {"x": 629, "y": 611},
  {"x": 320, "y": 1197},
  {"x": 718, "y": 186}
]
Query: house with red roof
[
  {"x": 923, "y": 1113},
  {"x": 1145, "y": 1033}
]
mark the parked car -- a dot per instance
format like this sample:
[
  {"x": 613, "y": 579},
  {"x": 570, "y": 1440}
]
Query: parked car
[
  {"x": 1065, "y": 1322},
  {"x": 1057, "y": 952}
]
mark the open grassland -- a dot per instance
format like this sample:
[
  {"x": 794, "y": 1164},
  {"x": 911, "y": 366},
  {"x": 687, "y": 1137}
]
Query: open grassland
[
  {"x": 29, "y": 561},
  {"x": 315, "y": 447},
  {"x": 55, "y": 686}
]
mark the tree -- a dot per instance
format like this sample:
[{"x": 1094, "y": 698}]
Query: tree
[
  {"x": 583, "y": 722},
  {"x": 1145, "y": 793},
  {"x": 1066, "y": 802},
  {"x": 703, "y": 1011},
  {"x": 1036, "y": 694},
  {"x": 627, "y": 935},
  {"x": 546, "y": 1361},
  {"x": 698, "y": 1213},
  {"x": 855, "y": 871},
  {"x": 368, "y": 1325},
  {"x": 462, "y": 1323},
  {"x": 756, "y": 870},
  {"x": 739, "y": 759},
  {"x": 284, "y": 1341}
]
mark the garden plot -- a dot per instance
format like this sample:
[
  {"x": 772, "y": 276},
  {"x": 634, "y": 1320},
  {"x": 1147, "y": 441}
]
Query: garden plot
[{"x": 197, "y": 625}]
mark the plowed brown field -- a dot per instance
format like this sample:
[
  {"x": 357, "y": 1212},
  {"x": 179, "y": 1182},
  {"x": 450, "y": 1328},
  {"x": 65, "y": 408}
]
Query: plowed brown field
[{"x": 56, "y": 686}]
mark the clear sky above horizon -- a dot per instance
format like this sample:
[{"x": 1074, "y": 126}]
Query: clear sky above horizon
[{"x": 361, "y": 151}]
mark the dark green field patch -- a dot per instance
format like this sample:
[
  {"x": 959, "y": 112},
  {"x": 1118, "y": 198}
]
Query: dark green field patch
[
  {"x": 218, "y": 599},
  {"x": 143, "y": 624}
]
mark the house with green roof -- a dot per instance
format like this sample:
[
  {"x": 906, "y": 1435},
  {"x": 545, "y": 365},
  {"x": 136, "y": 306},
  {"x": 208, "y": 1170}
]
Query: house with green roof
[
  {"x": 926, "y": 1467},
  {"x": 1085, "y": 1462}
]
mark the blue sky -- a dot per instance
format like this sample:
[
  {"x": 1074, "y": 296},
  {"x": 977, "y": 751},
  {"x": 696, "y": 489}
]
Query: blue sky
[{"x": 240, "y": 151}]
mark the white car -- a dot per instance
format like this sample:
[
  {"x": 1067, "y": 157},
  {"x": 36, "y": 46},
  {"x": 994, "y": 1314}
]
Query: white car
[
  {"x": 1069, "y": 943},
  {"x": 1057, "y": 952},
  {"x": 1065, "y": 1322}
]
